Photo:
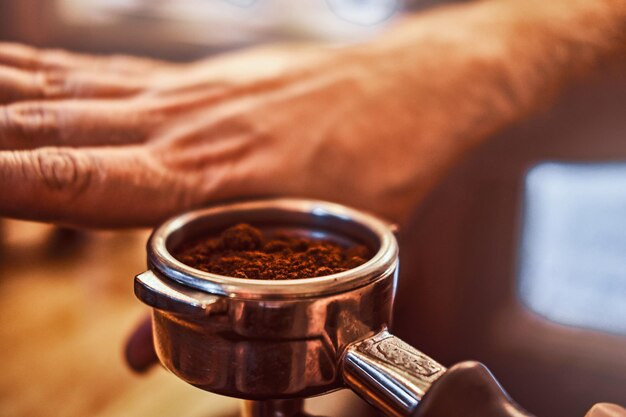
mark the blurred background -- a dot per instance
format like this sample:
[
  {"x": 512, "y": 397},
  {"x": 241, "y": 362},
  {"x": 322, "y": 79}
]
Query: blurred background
[
  {"x": 517, "y": 259},
  {"x": 187, "y": 29}
]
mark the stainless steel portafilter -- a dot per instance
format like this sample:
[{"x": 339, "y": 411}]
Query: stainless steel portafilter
[{"x": 278, "y": 342}]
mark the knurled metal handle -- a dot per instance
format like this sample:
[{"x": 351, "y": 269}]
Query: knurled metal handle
[{"x": 389, "y": 374}]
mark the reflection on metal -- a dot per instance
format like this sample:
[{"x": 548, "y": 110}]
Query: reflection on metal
[
  {"x": 389, "y": 374},
  {"x": 573, "y": 258},
  {"x": 273, "y": 408}
]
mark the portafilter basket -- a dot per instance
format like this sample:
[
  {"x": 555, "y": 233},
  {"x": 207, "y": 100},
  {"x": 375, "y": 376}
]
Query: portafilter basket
[{"x": 285, "y": 339}]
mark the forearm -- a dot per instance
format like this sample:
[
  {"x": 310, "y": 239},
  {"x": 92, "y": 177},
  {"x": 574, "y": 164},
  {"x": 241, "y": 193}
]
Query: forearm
[
  {"x": 444, "y": 81},
  {"x": 495, "y": 61}
]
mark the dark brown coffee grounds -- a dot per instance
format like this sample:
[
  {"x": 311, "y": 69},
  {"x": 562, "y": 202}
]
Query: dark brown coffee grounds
[{"x": 243, "y": 251}]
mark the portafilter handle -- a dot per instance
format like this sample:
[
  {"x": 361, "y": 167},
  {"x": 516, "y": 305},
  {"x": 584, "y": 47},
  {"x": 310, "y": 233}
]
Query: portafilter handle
[{"x": 401, "y": 381}]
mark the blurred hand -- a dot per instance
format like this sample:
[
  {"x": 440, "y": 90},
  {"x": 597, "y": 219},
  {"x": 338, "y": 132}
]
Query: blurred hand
[
  {"x": 139, "y": 350},
  {"x": 121, "y": 141}
]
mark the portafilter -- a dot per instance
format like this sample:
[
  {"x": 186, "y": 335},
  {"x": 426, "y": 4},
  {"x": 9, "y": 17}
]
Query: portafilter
[{"x": 280, "y": 341}]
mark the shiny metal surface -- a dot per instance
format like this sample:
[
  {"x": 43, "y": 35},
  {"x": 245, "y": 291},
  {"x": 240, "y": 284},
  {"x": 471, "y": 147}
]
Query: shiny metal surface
[
  {"x": 273, "y": 408},
  {"x": 267, "y": 340},
  {"x": 316, "y": 216},
  {"x": 389, "y": 374}
]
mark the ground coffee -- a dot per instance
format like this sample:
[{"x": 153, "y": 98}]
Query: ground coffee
[{"x": 243, "y": 251}]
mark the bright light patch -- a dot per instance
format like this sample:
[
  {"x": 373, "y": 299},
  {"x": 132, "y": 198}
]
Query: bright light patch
[
  {"x": 573, "y": 257},
  {"x": 364, "y": 12}
]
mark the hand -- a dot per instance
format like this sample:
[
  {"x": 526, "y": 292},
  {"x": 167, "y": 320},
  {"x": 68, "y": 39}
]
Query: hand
[{"x": 121, "y": 141}]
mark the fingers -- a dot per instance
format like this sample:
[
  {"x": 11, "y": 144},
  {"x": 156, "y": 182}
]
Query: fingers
[
  {"x": 34, "y": 124},
  {"x": 98, "y": 187},
  {"x": 27, "y": 57},
  {"x": 139, "y": 352},
  {"x": 17, "y": 84}
]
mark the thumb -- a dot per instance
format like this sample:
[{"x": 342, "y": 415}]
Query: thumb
[
  {"x": 606, "y": 410},
  {"x": 139, "y": 352}
]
